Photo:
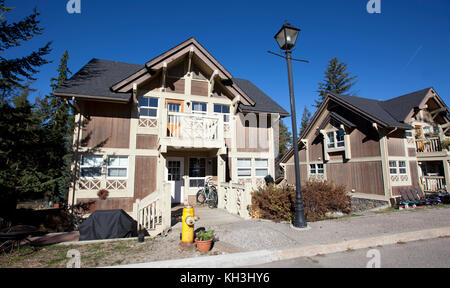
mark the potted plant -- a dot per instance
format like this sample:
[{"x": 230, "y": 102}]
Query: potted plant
[{"x": 204, "y": 240}]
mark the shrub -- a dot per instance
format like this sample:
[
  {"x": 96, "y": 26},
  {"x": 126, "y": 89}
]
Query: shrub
[
  {"x": 274, "y": 202},
  {"x": 277, "y": 203}
]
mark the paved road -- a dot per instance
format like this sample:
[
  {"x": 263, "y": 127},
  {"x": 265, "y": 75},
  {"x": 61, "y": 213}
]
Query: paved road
[{"x": 433, "y": 253}]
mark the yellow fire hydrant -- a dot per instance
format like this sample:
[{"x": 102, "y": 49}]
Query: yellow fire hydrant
[{"x": 188, "y": 219}]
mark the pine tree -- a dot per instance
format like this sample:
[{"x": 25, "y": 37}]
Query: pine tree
[
  {"x": 22, "y": 137},
  {"x": 305, "y": 120},
  {"x": 336, "y": 80},
  {"x": 16, "y": 72},
  {"x": 57, "y": 119},
  {"x": 285, "y": 139}
]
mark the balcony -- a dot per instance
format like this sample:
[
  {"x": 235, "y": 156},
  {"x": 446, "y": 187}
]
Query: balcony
[
  {"x": 432, "y": 146},
  {"x": 432, "y": 183},
  {"x": 188, "y": 130}
]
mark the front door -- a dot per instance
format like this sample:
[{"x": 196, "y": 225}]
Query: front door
[{"x": 174, "y": 176}]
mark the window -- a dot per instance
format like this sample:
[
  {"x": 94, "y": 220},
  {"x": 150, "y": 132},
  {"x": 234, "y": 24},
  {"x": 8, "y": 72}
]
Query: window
[
  {"x": 223, "y": 109},
  {"x": 244, "y": 167},
  {"x": 409, "y": 133},
  {"x": 91, "y": 166},
  {"x": 148, "y": 107},
  {"x": 117, "y": 167},
  {"x": 397, "y": 167},
  {"x": 199, "y": 107},
  {"x": 261, "y": 167},
  {"x": 316, "y": 169},
  {"x": 197, "y": 172},
  {"x": 340, "y": 138},
  {"x": 330, "y": 136},
  {"x": 336, "y": 139}
]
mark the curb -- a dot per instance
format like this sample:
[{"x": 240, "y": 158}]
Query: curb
[{"x": 267, "y": 256}]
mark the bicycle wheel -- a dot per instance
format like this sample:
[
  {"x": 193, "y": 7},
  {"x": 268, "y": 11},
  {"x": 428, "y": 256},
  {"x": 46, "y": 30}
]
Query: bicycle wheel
[
  {"x": 213, "y": 199},
  {"x": 201, "y": 196}
]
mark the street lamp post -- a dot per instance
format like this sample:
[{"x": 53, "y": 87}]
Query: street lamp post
[{"x": 286, "y": 38}]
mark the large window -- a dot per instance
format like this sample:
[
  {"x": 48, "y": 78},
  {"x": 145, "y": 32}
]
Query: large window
[
  {"x": 336, "y": 139},
  {"x": 197, "y": 172},
  {"x": 244, "y": 167},
  {"x": 199, "y": 107},
  {"x": 117, "y": 167},
  {"x": 223, "y": 109},
  {"x": 261, "y": 167},
  {"x": 91, "y": 166},
  {"x": 148, "y": 107}
]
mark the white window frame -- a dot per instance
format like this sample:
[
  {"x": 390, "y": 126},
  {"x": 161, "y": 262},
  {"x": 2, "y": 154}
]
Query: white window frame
[
  {"x": 336, "y": 143},
  {"x": 316, "y": 168},
  {"x": 196, "y": 178},
  {"x": 83, "y": 166},
  {"x": 149, "y": 108},
  {"x": 199, "y": 112},
  {"x": 223, "y": 113},
  {"x": 394, "y": 165},
  {"x": 117, "y": 167},
  {"x": 244, "y": 167},
  {"x": 262, "y": 167}
]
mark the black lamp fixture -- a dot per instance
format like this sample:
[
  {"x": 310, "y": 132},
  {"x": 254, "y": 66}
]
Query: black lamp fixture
[{"x": 286, "y": 39}]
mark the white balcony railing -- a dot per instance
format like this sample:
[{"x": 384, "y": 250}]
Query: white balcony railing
[
  {"x": 428, "y": 145},
  {"x": 432, "y": 183},
  {"x": 192, "y": 130}
]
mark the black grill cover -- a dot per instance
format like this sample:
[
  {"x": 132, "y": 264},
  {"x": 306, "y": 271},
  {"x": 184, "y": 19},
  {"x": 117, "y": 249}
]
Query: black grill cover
[{"x": 108, "y": 224}]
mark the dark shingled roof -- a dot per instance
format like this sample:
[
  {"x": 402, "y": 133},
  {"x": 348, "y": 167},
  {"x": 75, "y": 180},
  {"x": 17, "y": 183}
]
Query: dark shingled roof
[
  {"x": 373, "y": 108},
  {"x": 96, "y": 78},
  {"x": 400, "y": 107},
  {"x": 263, "y": 102}
]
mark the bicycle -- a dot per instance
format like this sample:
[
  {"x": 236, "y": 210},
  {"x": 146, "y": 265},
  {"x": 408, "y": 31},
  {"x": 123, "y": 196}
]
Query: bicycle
[{"x": 208, "y": 194}]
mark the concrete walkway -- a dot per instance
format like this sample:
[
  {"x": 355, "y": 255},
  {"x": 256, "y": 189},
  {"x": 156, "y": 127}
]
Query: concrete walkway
[{"x": 261, "y": 241}]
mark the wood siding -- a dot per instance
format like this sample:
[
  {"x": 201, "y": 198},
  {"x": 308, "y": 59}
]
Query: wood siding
[
  {"x": 175, "y": 85},
  {"x": 106, "y": 125},
  {"x": 363, "y": 144},
  {"x": 364, "y": 177},
  {"x": 199, "y": 88},
  {"x": 147, "y": 142},
  {"x": 125, "y": 203},
  {"x": 250, "y": 137},
  {"x": 414, "y": 180},
  {"x": 290, "y": 174},
  {"x": 396, "y": 147},
  {"x": 145, "y": 176}
]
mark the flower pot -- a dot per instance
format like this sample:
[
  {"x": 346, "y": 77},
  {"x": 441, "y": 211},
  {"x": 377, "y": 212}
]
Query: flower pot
[{"x": 203, "y": 246}]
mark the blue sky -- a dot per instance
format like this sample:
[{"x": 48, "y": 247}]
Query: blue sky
[{"x": 403, "y": 49}]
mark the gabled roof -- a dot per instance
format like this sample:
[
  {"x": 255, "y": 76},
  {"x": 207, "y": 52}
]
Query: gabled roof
[
  {"x": 263, "y": 103},
  {"x": 401, "y": 106},
  {"x": 95, "y": 79},
  {"x": 371, "y": 109}
]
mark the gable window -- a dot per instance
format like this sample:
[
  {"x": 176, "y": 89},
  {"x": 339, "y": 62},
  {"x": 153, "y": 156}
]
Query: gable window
[
  {"x": 199, "y": 107},
  {"x": 91, "y": 166},
  {"x": 316, "y": 169},
  {"x": 335, "y": 139},
  {"x": 261, "y": 167},
  {"x": 148, "y": 107},
  {"x": 223, "y": 109},
  {"x": 197, "y": 172},
  {"x": 244, "y": 167},
  {"x": 397, "y": 167},
  {"x": 117, "y": 167}
]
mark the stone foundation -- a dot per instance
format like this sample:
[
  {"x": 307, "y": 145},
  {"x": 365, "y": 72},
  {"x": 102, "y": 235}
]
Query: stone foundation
[{"x": 361, "y": 204}]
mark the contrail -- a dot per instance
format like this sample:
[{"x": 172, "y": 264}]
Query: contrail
[{"x": 413, "y": 56}]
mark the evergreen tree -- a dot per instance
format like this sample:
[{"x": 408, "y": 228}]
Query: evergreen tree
[
  {"x": 305, "y": 120},
  {"x": 57, "y": 119},
  {"x": 285, "y": 138},
  {"x": 22, "y": 137},
  {"x": 336, "y": 80},
  {"x": 16, "y": 72}
]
